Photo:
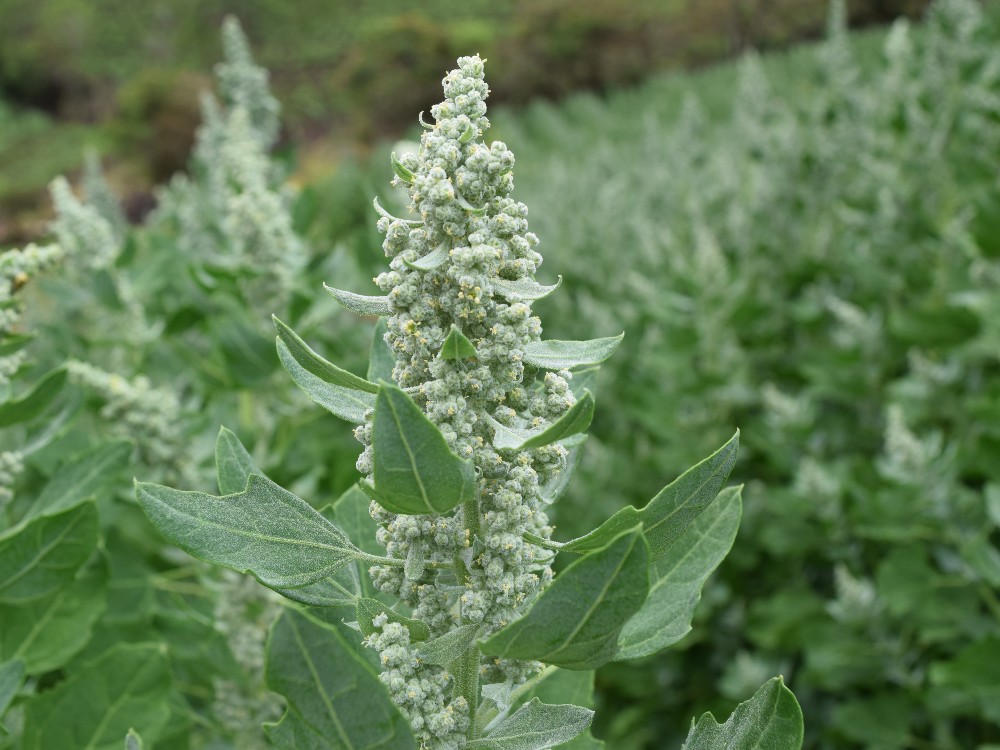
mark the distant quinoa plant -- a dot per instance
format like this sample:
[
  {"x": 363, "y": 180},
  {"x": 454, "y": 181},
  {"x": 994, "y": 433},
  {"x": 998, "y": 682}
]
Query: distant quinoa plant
[{"x": 428, "y": 614}]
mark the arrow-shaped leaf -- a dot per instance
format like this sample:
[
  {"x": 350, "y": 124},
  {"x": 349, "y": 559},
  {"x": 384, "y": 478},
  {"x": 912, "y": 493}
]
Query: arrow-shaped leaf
[
  {"x": 537, "y": 726},
  {"x": 523, "y": 289},
  {"x": 676, "y": 579},
  {"x": 321, "y": 368},
  {"x": 265, "y": 531},
  {"x": 415, "y": 471},
  {"x": 361, "y": 304},
  {"x": 565, "y": 355},
  {"x": 575, "y": 622},
  {"x": 456, "y": 346},
  {"x": 770, "y": 720},
  {"x": 574, "y": 421},
  {"x": 347, "y": 403}
]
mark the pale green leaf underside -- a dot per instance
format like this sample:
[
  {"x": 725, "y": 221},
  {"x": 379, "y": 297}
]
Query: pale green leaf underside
[
  {"x": 415, "y": 471},
  {"x": 128, "y": 686},
  {"x": 347, "y": 403},
  {"x": 317, "y": 365},
  {"x": 446, "y": 648},
  {"x": 565, "y": 355},
  {"x": 575, "y": 622},
  {"x": 434, "y": 259},
  {"x": 380, "y": 357},
  {"x": 522, "y": 289},
  {"x": 233, "y": 463},
  {"x": 265, "y": 531},
  {"x": 43, "y": 556},
  {"x": 360, "y": 304},
  {"x": 537, "y": 726},
  {"x": 567, "y": 686},
  {"x": 770, "y": 720},
  {"x": 457, "y": 346},
  {"x": 676, "y": 579},
  {"x": 335, "y": 699},
  {"x": 574, "y": 421}
]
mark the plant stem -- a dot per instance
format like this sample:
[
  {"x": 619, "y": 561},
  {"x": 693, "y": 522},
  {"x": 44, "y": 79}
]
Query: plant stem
[{"x": 467, "y": 684}]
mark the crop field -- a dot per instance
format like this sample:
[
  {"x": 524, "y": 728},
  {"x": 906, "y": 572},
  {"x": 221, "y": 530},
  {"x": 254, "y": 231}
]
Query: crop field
[{"x": 782, "y": 528}]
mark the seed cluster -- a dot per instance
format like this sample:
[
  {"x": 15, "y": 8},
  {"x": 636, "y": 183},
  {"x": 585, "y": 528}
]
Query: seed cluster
[{"x": 447, "y": 269}]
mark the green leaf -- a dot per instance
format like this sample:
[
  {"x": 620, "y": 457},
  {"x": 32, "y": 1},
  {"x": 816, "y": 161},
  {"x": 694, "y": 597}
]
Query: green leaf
[
  {"x": 347, "y": 403},
  {"x": 11, "y": 677},
  {"x": 382, "y": 212},
  {"x": 360, "y": 304},
  {"x": 456, "y": 346},
  {"x": 47, "y": 633},
  {"x": 341, "y": 589},
  {"x": 434, "y": 259},
  {"x": 368, "y": 609},
  {"x": 401, "y": 172},
  {"x": 537, "y": 726},
  {"x": 415, "y": 471},
  {"x": 770, "y": 720},
  {"x": 446, "y": 648},
  {"x": 233, "y": 463},
  {"x": 265, "y": 531},
  {"x": 522, "y": 289},
  {"x": 335, "y": 698},
  {"x": 350, "y": 512},
  {"x": 82, "y": 477},
  {"x": 574, "y": 421},
  {"x": 43, "y": 556},
  {"x": 575, "y": 622},
  {"x": 565, "y": 355},
  {"x": 311, "y": 361},
  {"x": 128, "y": 686},
  {"x": 13, "y": 344},
  {"x": 667, "y": 516},
  {"x": 567, "y": 686},
  {"x": 133, "y": 741},
  {"x": 676, "y": 579},
  {"x": 35, "y": 401},
  {"x": 380, "y": 359}
]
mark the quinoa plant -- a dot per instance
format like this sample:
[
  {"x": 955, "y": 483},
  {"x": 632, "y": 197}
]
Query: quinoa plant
[{"x": 428, "y": 611}]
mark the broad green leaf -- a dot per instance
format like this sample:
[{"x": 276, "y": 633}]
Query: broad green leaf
[
  {"x": 233, "y": 463},
  {"x": 133, "y": 741},
  {"x": 434, "y": 259},
  {"x": 321, "y": 368},
  {"x": 47, "y": 633},
  {"x": 335, "y": 698},
  {"x": 265, "y": 531},
  {"x": 360, "y": 304},
  {"x": 341, "y": 589},
  {"x": 347, "y": 403},
  {"x": 537, "y": 726},
  {"x": 446, "y": 648},
  {"x": 567, "y": 686},
  {"x": 43, "y": 556},
  {"x": 770, "y": 720},
  {"x": 456, "y": 346},
  {"x": 82, "y": 477},
  {"x": 11, "y": 677},
  {"x": 667, "y": 515},
  {"x": 380, "y": 358},
  {"x": 574, "y": 421},
  {"x": 676, "y": 579},
  {"x": 523, "y": 289},
  {"x": 368, "y": 609},
  {"x": 575, "y": 622},
  {"x": 565, "y": 355},
  {"x": 35, "y": 401},
  {"x": 415, "y": 471},
  {"x": 128, "y": 686}
]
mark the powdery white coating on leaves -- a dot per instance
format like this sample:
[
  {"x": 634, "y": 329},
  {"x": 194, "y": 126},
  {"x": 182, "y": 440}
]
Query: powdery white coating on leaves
[{"x": 457, "y": 268}]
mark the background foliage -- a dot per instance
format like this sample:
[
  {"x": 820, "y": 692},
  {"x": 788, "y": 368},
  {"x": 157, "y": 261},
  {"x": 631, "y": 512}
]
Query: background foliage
[{"x": 803, "y": 245}]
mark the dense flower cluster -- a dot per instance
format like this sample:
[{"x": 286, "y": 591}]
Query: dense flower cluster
[
  {"x": 453, "y": 268},
  {"x": 17, "y": 267}
]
